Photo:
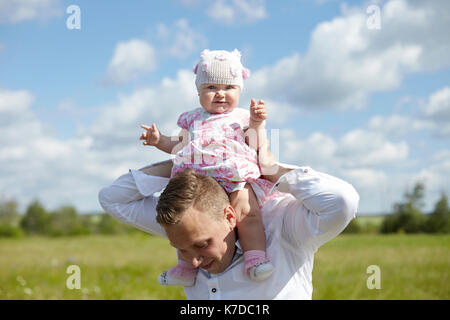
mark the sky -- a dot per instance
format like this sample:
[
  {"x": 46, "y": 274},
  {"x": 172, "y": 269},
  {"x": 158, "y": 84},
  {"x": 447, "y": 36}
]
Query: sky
[{"x": 359, "y": 89}]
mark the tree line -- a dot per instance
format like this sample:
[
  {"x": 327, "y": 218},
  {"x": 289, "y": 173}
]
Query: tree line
[
  {"x": 407, "y": 217},
  {"x": 64, "y": 221}
]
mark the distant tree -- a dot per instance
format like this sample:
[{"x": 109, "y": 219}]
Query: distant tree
[
  {"x": 10, "y": 231},
  {"x": 65, "y": 221},
  {"x": 407, "y": 216},
  {"x": 9, "y": 213},
  {"x": 9, "y": 219},
  {"x": 108, "y": 225},
  {"x": 415, "y": 199},
  {"x": 90, "y": 222},
  {"x": 439, "y": 219},
  {"x": 353, "y": 227},
  {"x": 36, "y": 219}
]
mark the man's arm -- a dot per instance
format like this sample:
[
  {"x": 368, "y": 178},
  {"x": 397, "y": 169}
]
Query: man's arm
[
  {"x": 322, "y": 208},
  {"x": 132, "y": 200}
]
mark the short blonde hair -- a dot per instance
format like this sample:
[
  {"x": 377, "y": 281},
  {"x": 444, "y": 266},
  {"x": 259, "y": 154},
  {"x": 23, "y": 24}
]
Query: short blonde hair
[{"x": 190, "y": 189}]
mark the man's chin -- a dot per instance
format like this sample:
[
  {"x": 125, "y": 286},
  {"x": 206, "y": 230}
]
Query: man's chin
[{"x": 214, "y": 269}]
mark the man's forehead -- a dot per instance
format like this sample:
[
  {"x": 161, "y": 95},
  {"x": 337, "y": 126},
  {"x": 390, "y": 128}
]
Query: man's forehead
[
  {"x": 185, "y": 238},
  {"x": 194, "y": 227}
]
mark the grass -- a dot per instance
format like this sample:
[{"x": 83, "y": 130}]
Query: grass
[
  {"x": 412, "y": 267},
  {"x": 112, "y": 267},
  {"x": 126, "y": 267}
]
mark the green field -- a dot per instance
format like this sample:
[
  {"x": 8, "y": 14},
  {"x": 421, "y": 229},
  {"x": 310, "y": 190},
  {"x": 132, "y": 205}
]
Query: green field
[{"x": 126, "y": 267}]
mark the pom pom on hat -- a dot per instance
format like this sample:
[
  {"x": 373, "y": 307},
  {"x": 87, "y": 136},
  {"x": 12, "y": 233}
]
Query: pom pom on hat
[{"x": 245, "y": 73}]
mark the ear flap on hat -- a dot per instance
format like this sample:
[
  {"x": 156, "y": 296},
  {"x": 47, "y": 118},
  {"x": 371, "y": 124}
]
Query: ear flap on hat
[{"x": 245, "y": 73}]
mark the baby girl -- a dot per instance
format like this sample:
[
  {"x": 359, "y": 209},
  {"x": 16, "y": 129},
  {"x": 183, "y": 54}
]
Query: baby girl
[{"x": 223, "y": 141}]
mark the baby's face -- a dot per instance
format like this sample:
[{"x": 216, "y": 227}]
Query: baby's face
[{"x": 219, "y": 98}]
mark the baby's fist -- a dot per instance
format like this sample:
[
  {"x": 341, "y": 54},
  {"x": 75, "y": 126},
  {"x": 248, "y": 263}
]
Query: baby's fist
[{"x": 258, "y": 111}]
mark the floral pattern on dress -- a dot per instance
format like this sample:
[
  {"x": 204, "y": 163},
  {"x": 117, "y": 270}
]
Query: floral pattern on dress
[{"x": 217, "y": 148}]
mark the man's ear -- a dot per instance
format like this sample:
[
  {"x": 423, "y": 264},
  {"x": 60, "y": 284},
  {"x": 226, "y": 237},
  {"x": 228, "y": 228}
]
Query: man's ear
[{"x": 230, "y": 216}]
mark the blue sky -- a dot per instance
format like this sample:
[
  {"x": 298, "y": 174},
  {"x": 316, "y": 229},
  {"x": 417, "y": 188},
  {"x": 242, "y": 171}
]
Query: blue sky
[{"x": 371, "y": 106}]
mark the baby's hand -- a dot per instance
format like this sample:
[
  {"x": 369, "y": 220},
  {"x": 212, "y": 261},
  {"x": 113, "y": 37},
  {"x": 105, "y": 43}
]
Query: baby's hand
[
  {"x": 151, "y": 136},
  {"x": 257, "y": 111}
]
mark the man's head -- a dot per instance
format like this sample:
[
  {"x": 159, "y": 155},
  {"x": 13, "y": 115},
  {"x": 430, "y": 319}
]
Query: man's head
[{"x": 199, "y": 221}]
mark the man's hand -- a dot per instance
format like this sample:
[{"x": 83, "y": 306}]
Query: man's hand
[
  {"x": 257, "y": 112},
  {"x": 151, "y": 135}
]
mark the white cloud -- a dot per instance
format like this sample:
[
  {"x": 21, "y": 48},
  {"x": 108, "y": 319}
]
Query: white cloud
[
  {"x": 398, "y": 125},
  {"x": 16, "y": 11},
  {"x": 364, "y": 158},
  {"x": 120, "y": 122},
  {"x": 131, "y": 60},
  {"x": 15, "y": 102},
  {"x": 190, "y": 2},
  {"x": 345, "y": 61},
  {"x": 438, "y": 106},
  {"x": 369, "y": 148},
  {"x": 183, "y": 39},
  {"x": 316, "y": 150},
  {"x": 242, "y": 11},
  {"x": 376, "y": 190},
  {"x": 436, "y": 176},
  {"x": 437, "y": 110},
  {"x": 35, "y": 164},
  {"x": 356, "y": 149},
  {"x": 221, "y": 12},
  {"x": 278, "y": 113},
  {"x": 366, "y": 179},
  {"x": 441, "y": 156}
]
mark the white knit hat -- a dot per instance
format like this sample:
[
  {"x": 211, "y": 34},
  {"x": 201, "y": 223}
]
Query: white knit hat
[{"x": 220, "y": 67}]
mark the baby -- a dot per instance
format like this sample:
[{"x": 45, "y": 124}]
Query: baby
[{"x": 220, "y": 140}]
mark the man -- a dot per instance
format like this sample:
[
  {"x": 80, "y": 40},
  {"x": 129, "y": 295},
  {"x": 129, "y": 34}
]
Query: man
[{"x": 315, "y": 208}]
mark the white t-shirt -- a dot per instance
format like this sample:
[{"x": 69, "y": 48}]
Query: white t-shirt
[{"x": 316, "y": 208}]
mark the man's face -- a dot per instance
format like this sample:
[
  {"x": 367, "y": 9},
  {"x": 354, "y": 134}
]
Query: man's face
[
  {"x": 219, "y": 98},
  {"x": 204, "y": 241}
]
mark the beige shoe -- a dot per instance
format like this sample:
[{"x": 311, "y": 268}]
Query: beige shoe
[
  {"x": 261, "y": 271},
  {"x": 166, "y": 279}
]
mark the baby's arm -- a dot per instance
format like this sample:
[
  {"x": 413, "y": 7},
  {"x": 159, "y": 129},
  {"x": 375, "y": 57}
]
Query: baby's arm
[
  {"x": 256, "y": 133},
  {"x": 153, "y": 137},
  {"x": 256, "y": 137}
]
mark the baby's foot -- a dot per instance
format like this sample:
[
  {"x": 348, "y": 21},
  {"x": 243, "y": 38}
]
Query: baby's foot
[
  {"x": 178, "y": 276},
  {"x": 257, "y": 266},
  {"x": 261, "y": 271}
]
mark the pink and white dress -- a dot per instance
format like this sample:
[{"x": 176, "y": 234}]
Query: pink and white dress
[{"x": 217, "y": 148}]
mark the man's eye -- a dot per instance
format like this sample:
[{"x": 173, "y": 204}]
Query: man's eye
[
  {"x": 229, "y": 87},
  {"x": 203, "y": 246},
  {"x": 211, "y": 87}
]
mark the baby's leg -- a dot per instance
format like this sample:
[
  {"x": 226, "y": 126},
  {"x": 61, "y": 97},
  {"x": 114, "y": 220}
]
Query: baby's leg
[
  {"x": 250, "y": 226},
  {"x": 183, "y": 274},
  {"x": 251, "y": 233}
]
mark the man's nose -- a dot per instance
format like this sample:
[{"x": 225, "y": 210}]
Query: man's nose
[
  {"x": 196, "y": 261},
  {"x": 220, "y": 93}
]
